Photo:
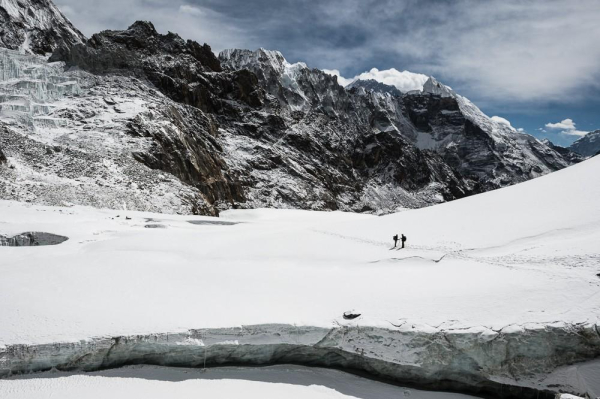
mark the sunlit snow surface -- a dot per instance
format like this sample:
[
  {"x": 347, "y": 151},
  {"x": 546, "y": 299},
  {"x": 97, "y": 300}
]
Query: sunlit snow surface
[
  {"x": 505, "y": 259},
  {"x": 522, "y": 254},
  {"x": 516, "y": 259}
]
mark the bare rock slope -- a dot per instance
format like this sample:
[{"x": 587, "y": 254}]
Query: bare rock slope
[{"x": 183, "y": 130}]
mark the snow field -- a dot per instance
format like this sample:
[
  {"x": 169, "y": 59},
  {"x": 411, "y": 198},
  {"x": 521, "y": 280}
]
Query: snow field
[{"x": 521, "y": 256}]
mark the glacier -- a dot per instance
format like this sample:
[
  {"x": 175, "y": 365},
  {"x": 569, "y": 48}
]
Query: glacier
[
  {"x": 501, "y": 303},
  {"x": 478, "y": 362}
]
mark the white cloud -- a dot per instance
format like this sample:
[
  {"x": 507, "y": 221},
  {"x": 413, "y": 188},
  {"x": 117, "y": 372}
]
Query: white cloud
[
  {"x": 502, "y": 121},
  {"x": 341, "y": 80},
  {"x": 187, "y": 9},
  {"x": 403, "y": 81},
  {"x": 565, "y": 124},
  {"x": 500, "y": 51},
  {"x": 567, "y": 127},
  {"x": 578, "y": 133},
  {"x": 191, "y": 22},
  {"x": 521, "y": 130},
  {"x": 497, "y": 51}
]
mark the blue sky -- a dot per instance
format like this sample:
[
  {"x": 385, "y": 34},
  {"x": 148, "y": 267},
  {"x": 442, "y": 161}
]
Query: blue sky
[{"x": 535, "y": 63}]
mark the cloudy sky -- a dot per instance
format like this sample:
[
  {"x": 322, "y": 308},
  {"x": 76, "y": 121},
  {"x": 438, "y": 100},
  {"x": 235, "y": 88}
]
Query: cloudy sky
[{"x": 535, "y": 63}]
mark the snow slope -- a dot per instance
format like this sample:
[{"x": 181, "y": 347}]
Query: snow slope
[
  {"x": 520, "y": 260},
  {"x": 533, "y": 244}
]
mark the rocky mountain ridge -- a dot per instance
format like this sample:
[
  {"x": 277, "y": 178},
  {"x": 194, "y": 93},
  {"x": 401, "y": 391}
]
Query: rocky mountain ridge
[
  {"x": 588, "y": 145},
  {"x": 434, "y": 119},
  {"x": 244, "y": 129}
]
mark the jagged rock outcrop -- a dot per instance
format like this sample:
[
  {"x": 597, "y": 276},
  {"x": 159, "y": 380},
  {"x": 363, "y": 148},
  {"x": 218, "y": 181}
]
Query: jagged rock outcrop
[
  {"x": 69, "y": 140},
  {"x": 31, "y": 239},
  {"x": 249, "y": 129},
  {"x": 180, "y": 69},
  {"x": 588, "y": 145},
  {"x": 485, "y": 153},
  {"x": 268, "y": 140},
  {"x": 35, "y": 26},
  {"x": 3, "y": 158}
]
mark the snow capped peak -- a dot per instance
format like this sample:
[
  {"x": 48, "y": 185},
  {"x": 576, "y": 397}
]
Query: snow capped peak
[
  {"x": 35, "y": 27},
  {"x": 496, "y": 127},
  {"x": 272, "y": 59},
  {"x": 432, "y": 86}
]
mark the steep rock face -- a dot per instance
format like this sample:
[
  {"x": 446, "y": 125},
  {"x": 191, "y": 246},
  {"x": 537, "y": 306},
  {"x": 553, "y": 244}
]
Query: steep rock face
[
  {"x": 495, "y": 152},
  {"x": 188, "y": 149},
  {"x": 281, "y": 136},
  {"x": 180, "y": 69},
  {"x": 189, "y": 74},
  {"x": 69, "y": 139},
  {"x": 35, "y": 26},
  {"x": 588, "y": 145},
  {"x": 488, "y": 154}
]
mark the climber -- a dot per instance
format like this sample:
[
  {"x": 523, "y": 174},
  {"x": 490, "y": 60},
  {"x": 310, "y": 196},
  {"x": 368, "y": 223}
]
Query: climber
[
  {"x": 403, "y": 238},
  {"x": 395, "y": 238}
]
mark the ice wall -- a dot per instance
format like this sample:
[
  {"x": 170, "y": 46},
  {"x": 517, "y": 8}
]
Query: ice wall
[
  {"x": 490, "y": 363},
  {"x": 29, "y": 85}
]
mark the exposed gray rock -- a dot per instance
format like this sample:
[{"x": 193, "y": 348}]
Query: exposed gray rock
[
  {"x": 31, "y": 239},
  {"x": 484, "y": 153},
  {"x": 250, "y": 151}
]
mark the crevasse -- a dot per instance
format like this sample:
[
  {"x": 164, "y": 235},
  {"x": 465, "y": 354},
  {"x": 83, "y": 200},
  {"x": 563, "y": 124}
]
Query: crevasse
[{"x": 492, "y": 364}]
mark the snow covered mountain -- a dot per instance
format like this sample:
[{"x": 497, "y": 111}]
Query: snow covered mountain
[
  {"x": 482, "y": 150},
  {"x": 588, "y": 145},
  {"x": 35, "y": 27},
  {"x": 161, "y": 123},
  {"x": 374, "y": 85}
]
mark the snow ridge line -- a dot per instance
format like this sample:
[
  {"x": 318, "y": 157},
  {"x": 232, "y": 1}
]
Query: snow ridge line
[{"x": 471, "y": 361}]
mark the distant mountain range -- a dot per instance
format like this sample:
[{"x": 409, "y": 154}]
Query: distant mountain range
[
  {"x": 141, "y": 120},
  {"x": 588, "y": 145}
]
